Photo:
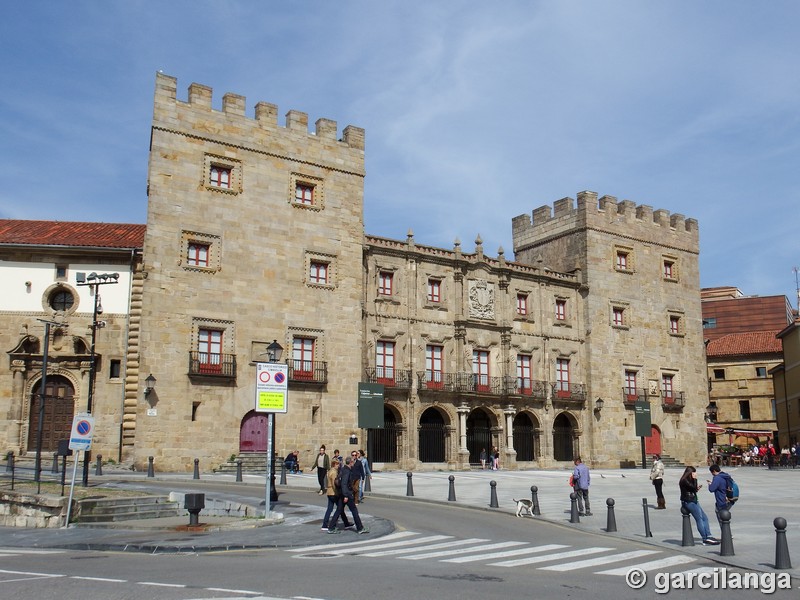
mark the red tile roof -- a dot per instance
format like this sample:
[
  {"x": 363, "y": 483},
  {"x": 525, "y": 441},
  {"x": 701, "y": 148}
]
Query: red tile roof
[
  {"x": 741, "y": 344},
  {"x": 71, "y": 233}
]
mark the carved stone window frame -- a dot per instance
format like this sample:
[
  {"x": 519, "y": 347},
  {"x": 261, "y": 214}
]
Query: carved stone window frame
[
  {"x": 228, "y": 329},
  {"x": 318, "y": 185},
  {"x": 320, "y": 257},
  {"x": 673, "y": 261},
  {"x": 630, "y": 259},
  {"x": 235, "y": 166},
  {"x": 624, "y": 307},
  {"x": 214, "y": 243}
]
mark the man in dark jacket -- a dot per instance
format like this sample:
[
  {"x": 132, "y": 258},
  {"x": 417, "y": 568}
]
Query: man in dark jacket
[
  {"x": 357, "y": 470},
  {"x": 348, "y": 498},
  {"x": 719, "y": 487}
]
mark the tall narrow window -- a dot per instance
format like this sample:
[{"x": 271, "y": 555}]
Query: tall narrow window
[
  {"x": 318, "y": 272},
  {"x": 669, "y": 269},
  {"x": 480, "y": 370},
  {"x": 674, "y": 324},
  {"x": 209, "y": 349},
  {"x": 524, "y": 385},
  {"x": 562, "y": 377},
  {"x": 622, "y": 261},
  {"x": 561, "y": 310},
  {"x": 630, "y": 386},
  {"x": 744, "y": 410},
  {"x": 666, "y": 389},
  {"x": 220, "y": 176},
  {"x": 304, "y": 194},
  {"x": 522, "y": 304},
  {"x": 618, "y": 315},
  {"x": 197, "y": 255},
  {"x": 434, "y": 290},
  {"x": 385, "y": 281},
  {"x": 303, "y": 358},
  {"x": 433, "y": 366},
  {"x": 384, "y": 361}
]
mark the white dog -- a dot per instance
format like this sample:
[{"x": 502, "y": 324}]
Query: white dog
[{"x": 524, "y": 506}]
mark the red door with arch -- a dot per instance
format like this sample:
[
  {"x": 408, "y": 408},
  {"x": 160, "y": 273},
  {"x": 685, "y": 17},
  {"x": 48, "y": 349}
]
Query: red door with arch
[
  {"x": 652, "y": 444},
  {"x": 253, "y": 432}
]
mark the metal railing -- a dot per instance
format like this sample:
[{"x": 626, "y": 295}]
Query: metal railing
[
  {"x": 390, "y": 377},
  {"x": 460, "y": 382},
  {"x": 308, "y": 371},
  {"x": 212, "y": 365},
  {"x": 573, "y": 393},
  {"x": 670, "y": 401},
  {"x": 527, "y": 388}
]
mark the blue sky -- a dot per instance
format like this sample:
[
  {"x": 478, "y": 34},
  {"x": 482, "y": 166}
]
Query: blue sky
[{"x": 475, "y": 112}]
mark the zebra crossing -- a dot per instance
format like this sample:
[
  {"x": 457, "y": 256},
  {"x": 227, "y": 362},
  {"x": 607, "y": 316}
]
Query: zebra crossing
[
  {"x": 7, "y": 552},
  {"x": 410, "y": 545}
]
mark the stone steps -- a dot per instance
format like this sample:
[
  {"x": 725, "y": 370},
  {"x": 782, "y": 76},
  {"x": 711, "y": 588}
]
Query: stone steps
[
  {"x": 105, "y": 510},
  {"x": 252, "y": 462}
]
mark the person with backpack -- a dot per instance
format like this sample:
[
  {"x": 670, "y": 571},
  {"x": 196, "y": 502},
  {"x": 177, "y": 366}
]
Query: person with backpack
[
  {"x": 722, "y": 486},
  {"x": 334, "y": 492}
]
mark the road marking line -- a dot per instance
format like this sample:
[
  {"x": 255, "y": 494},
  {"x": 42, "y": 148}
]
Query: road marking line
[
  {"x": 429, "y": 547},
  {"x": 462, "y": 551},
  {"x": 227, "y": 591},
  {"x": 557, "y": 556},
  {"x": 157, "y": 584},
  {"x": 31, "y": 551},
  {"x": 379, "y": 545},
  {"x": 516, "y": 552},
  {"x": 103, "y": 579},
  {"x": 603, "y": 560},
  {"x": 391, "y": 536},
  {"x": 652, "y": 565}
]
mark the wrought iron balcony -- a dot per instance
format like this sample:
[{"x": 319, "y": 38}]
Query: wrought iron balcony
[
  {"x": 390, "y": 377},
  {"x": 526, "y": 388},
  {"x": 631, "y": 396},
  {"x": 459, "y": 382},
  {"x": 207, "y": 364},
  {"x": 308, "y": 371},
  {"x": 672, "y": 401},
  {"x": 572, "y": 394}
]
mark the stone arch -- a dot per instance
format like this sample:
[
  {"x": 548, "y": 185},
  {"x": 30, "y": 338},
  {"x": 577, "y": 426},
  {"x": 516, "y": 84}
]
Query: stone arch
[
  {"x": 480, "y": 422},
  {"x": 525, "y": 430},
  {"x": 383, "y": 443},
  {"x": 565, "y": 428},
  {"x": 432, "y": 437}
]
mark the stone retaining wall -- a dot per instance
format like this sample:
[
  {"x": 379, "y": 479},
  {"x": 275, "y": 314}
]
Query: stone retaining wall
[{"x": 32, "y": 510}]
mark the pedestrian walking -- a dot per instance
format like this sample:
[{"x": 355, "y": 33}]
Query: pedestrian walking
[
  {"x": 657, "y": 477},
  {"x": 333, "y": 491},
  {"x": 483, "y": 459},
  {"x": 362, "y": 456},
  {"x": 719, "y": 487},
  {"x": 580, "y": 482},
  {"x": 495, "y": 459},
  {"x": 689, "y": 488},
  {"x": 357, "y": 469},
  {"x": 322, "y": 464},
  {"x": 348, "y": 500}
]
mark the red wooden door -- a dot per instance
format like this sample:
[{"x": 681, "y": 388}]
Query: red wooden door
[
  {"x": 652, "y": 444},
  {"x": 253, "y": 433}
]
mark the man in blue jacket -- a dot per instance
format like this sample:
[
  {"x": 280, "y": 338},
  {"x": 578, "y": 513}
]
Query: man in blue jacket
[
  {"x": 348, "y": 499},
  {"x": 719, "y": 487}
]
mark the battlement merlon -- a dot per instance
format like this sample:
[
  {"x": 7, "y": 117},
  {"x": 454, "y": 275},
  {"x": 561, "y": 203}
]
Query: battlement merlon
[
  {"x": 234, "y": 106},
  {"x": 606, "y": 213}
]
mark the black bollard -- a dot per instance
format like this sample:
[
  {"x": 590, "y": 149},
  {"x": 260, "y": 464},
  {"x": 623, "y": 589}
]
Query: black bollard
[
  {"x": 196, "y": 469},
  {"x": 98, "y": 467},
  {"x": 573, "y": 510},
  {"x": 535, "y": 500},
  {"x": 54, "y": 468},
  {"x": 493, "y": 497},
  {"x": 367, "y": 484},
  {"x": 782, "y": 559},
  {"x": 647, "y": 532},
  {"x": 726, "y": 543},
  {"x": 150, "y": 472},
  {"x": 194, "y": 503},
  {"x": 687, "y": 538},
  {"x": 409, "y": 485},
  {"x": 611, "y": 520},
  {"x": 9, "y": 462},
  {"x": 283, "y": 473},
  {"x": 239, "y": 470},
  {"x": 451, "y": 494}
]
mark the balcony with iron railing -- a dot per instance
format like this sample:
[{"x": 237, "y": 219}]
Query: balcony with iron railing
[
  {"x": 207, "y": 364},
  {"x": 528, "y": 389},
  {"x": 631, "y": 396},
  {"x": 572, "y": 394},
  {"x": 390, "y": 377},
  {"x": 670, "y": 401},
  {"x": 308, "y": 371},
  {"x": 436, "y": 381}
]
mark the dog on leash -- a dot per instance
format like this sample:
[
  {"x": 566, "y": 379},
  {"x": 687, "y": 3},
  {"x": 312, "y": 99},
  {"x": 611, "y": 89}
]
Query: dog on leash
[{"x": 524, "y": 506}]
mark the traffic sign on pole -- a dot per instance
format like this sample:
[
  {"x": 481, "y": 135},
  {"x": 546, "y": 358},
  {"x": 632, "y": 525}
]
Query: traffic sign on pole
[
  {"x": 272, "y": 381},
  {"x": 82, "y": 431}
]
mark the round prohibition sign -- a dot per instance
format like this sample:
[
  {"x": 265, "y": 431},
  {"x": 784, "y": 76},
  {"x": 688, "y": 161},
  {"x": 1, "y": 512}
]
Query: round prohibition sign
[
  {"x": 264, "y": 377},
  {"x": 279, "y": 377},
  {"x": 83, "y": 427}
]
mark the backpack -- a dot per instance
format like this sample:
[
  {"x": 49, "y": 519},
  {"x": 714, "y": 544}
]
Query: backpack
[
  {"x": 732, "y": 492},
  {"x": 337, "y": 483}
]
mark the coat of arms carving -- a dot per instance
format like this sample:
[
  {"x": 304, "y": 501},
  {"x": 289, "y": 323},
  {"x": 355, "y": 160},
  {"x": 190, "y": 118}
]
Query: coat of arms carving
[{"x": 481, "y": 299}]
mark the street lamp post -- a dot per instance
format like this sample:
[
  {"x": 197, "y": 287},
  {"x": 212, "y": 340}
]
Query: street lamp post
[
  {"x": 95, "y": 280},
  {"x": 274, "y": 352}
]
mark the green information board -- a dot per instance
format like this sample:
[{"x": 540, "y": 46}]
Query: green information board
[
  {"x": 641, "y": 411},
  {"x": 370, "y": 405}
]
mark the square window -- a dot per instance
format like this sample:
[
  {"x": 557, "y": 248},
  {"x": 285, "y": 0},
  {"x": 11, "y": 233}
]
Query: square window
[
  {"x": 61, "y": 273},
  {"x": 197, "y": 255},
  {"x": 522, "y": 304},
  {"x": 200, "y": 251},
  {"x": 719, "y": 373},
  {"x": 318, "y": 272},
  {"x": 306, "y": 191},
  {"x": 710, "y": 323},
  {"x": 561, "y": 310},
  {"x": 222, "y": 174},
  {"x": 434, "y": 290},
  {"x": 761, "y": 372},
  {"x": 304, "y": 194},
  {"x": 385, "y": 281},
  {"x": 220, "y": 177}
]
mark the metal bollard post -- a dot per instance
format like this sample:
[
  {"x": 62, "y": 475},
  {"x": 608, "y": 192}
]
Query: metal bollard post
[
  {"x": 367, "y": 484},
  {"x": 98, "y": 467},
  {"x": 782, "y": 559},
  {"x": 493, "y": 498},
  {"x": 196, "y": 469},
  {"x": 239, "y": 470},
  {"x": 535, "y": 501},
  {"x": 9, "y": 462},
  {"x": 687, "y": 537},
  {"x": 54, "y": 468},
  {"x": 726, "y": 545},
  {"x": 451, "y": 495},
  {"x": 647, "y": 532},
  {"x": 409, "y": 485},
  {"x": 611, "y": 520},
  {"x": 283, "y": 473},
  {"x": 150, "y": 472},
  {"x": 573, "y": 509}
]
